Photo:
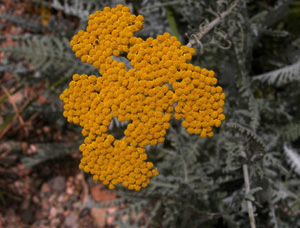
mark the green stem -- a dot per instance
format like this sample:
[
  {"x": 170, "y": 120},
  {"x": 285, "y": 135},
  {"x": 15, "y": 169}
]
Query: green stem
[
  {"x": 62, "y": 79},
  {"x": 172, "y": 22}
]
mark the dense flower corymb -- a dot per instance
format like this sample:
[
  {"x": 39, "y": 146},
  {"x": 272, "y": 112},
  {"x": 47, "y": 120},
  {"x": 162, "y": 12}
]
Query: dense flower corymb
[{"x": 146, "y": 95}]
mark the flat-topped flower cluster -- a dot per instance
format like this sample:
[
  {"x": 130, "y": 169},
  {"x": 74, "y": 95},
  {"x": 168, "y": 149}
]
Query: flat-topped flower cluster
[{"x": 161, "y": 79}]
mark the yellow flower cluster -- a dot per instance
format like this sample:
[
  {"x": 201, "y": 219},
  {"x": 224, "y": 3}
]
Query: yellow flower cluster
[{"x": 146, "y": 95}]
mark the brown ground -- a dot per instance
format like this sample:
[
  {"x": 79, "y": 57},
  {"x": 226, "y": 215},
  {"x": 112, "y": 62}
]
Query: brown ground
[{"x": 49, "y": 194}]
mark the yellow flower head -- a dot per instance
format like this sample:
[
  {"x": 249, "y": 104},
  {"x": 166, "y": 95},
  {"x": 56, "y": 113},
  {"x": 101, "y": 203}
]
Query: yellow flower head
[{"x": 145, "y": 95}]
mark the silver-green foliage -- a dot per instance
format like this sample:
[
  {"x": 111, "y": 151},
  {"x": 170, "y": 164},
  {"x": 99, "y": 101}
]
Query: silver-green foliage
[
  {"x": 49, "y": 55},
  {"x": 282, "y": 76},
  {"x": 35, "y": 23},
  {"x": 201, "y": 182}
]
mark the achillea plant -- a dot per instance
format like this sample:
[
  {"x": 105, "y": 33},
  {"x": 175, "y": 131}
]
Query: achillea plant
[
  {"x": 146, "y": 95},
  {"x": 250, "y": 165}
]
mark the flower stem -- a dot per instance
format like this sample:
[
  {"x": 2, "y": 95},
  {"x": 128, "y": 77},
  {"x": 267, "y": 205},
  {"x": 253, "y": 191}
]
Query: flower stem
[
  {"x": 247, "y": 190},
  {"x": 172, "y": 22}
]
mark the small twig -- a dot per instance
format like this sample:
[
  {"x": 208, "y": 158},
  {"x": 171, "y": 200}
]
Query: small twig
[
  {"x": 207, "y": 28},
  {"x": 197, "y": 41},
  {"x": 6, "y": 153},
  {"x": 247, "y": 190},
  {"x": 17, "y": 111},
  {"x": 13, "y": 104},
  {"x": 3, "y": 132},
  {"x": 27, "y": 122},
  {"x": 85, "y": 191}
]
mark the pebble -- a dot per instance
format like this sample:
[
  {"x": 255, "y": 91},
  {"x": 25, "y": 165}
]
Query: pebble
[{"x": 58, "y": 183}]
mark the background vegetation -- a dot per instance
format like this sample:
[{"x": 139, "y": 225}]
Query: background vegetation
[{"x": 251, "y": 166}]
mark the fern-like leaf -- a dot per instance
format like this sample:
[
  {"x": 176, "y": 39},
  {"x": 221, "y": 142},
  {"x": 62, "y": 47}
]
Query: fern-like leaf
[
  {"x": 49, "y": 151},
  {"x": 50, "y": 55},
  {"x": 293, "y": 157},
  {"x": 258, "y": 29},
  {"x": 243, "y": 84},
  {"x": 61, "y": 26},
  {"x": 255, "y": 117},
  {"x": 116, "y": 202},
  {"x": 254, "y": 140},
  {"x": 291, "y": 132},
  {"x": 79, "y": 8},
  {"x": 281, "y": 76},
  {"x": 34, "y": 23},
  {"x": 75, "y": 8}
]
